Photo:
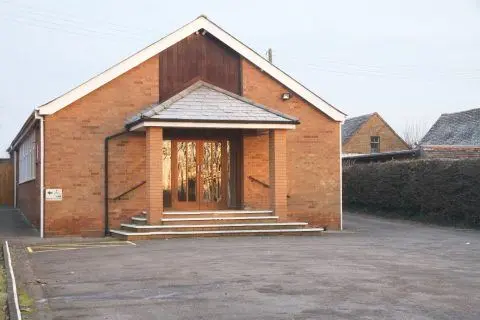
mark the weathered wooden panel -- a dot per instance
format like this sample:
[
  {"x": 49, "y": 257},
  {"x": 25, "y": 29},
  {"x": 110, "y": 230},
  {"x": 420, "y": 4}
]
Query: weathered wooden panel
[
  {"x": 6, "y": 182},
  {"x": 198, "y": 57}
]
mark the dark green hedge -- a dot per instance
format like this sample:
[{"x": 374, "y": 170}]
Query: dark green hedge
[{"x": 440, "y": 191}]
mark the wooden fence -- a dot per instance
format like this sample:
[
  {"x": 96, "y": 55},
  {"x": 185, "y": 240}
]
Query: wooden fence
[{"x": 6, "y": 182}]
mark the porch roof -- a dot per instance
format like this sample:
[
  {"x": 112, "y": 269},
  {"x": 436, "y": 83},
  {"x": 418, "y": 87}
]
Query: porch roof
[{"x": 205, "y": 103}]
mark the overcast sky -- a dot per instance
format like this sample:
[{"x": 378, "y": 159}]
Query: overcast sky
[{"x": 408, "y": 60}]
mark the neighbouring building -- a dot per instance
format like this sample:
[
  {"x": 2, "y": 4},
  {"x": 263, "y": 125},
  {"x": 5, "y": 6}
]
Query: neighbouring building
[
  {"x": 368, "y": 134},
  {"x": 177, "y": 134},
  {"x": 454, "y": 136}
]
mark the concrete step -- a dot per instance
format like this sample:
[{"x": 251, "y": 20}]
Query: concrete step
[
  {"x": 139, "y": 220},
  {"x": 214, "y": 227},
  {"x": 217, "y": 213},
  {"x": 125, "y": 235},
  {"x": 219, "y": 220}
]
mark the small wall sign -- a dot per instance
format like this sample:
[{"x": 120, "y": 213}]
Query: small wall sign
[{"x": 53, "y": 195}]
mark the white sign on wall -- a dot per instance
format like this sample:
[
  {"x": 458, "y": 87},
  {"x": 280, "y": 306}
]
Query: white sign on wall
[{"x": 53, "y": 195}]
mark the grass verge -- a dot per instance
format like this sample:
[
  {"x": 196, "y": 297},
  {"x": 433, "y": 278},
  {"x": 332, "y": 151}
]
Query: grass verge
[
  {"x": 26, "y": 302},
  {"x": 3, "y": 288}
]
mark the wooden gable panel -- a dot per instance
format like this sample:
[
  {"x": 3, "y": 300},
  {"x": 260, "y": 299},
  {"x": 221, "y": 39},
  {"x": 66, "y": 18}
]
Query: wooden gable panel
[{"x": 198, "y": 57}]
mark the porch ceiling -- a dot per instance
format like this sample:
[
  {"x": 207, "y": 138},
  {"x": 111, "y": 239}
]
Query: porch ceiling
[{"x": 205, "y": 105}]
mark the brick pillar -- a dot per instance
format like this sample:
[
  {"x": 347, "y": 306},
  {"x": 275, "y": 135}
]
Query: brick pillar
[
  {"x": 154, "y": 185},
  {"x": 277, "y": 149}
]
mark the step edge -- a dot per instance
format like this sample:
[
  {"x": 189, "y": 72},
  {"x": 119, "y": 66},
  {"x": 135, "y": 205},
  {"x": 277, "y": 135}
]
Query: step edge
[
  {"x": 217, "y": 212},
  {"x": 213, "y": 225},
  {"x": 220, "y": 218},
  {"x": 305, "y": 230}
]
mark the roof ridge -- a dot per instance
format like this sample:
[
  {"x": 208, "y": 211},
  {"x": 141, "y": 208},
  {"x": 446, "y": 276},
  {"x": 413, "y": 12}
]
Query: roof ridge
[{"x": 458, "y": 112}]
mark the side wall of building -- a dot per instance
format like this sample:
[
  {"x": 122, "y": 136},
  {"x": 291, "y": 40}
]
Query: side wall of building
[
  {"x": 313, "y": 153},
  {"x": 360, "y": 141},
  {"x": 28, "y": 193}
]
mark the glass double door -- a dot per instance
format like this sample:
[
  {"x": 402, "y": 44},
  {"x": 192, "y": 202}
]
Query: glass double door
[{"x": 199, "y": 174}]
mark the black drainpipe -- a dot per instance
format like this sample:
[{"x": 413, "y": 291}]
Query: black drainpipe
[{"x": 107, "y": 229}]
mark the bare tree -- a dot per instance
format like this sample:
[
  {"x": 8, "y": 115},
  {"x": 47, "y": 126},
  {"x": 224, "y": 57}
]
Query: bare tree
[{"x": 414, "y": 132}]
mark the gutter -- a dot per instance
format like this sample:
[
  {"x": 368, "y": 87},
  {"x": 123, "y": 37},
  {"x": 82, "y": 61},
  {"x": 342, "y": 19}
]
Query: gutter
[{"x": 42, "y": 172}]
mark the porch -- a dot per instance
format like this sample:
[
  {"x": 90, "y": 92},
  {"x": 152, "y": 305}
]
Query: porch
[{"x": 201, "y": 147}]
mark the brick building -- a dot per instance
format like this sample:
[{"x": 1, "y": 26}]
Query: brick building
[
  {"x": 370, "y": 134},
  {"x": 453, "y": 136},
  {"x": 194, "y": 135}
]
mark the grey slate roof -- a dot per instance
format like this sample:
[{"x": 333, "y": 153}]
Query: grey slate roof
[
  {"x": 204, "y": 102},
  {"x": 351, "y": 125},
  {"x": 455, "y": 129}
]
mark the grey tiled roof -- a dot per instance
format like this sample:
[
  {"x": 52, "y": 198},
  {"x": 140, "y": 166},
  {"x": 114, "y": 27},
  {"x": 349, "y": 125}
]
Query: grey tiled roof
[
  {"x": 206, "y": 102},
  {"x": 351, "y": 126},
  {"x": 461, "y": 128}
]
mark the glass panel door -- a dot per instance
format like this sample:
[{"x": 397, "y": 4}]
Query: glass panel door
[
  {"x": 211, "y": 186},
  {"x": 186, "y": 167},
  {"x": 213, "y": 176},
  {"x": 200, "y": 172}
]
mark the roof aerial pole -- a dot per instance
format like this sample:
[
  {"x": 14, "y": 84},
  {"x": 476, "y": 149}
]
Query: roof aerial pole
[{"x": 270, "y": 55}]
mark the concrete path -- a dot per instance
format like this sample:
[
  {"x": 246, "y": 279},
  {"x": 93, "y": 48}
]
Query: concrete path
[
  {"x": 14, "y": 226},
  {"x": 377, "y": 269}
]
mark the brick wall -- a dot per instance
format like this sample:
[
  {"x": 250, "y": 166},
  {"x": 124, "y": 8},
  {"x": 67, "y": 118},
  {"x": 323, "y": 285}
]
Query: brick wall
[
  {"x": 154, "y": 168},
  {"x": 74, "y": 148},
  {"x": 74, "y": 155},
  {"x": 255, "y": 164},
  {"x": 126, "y": 169},
  {"x": 313, "y": 152},
  {"x": 449, "y": 152},
  {"x": 375, "y": 126},
  {"x": 28, "y": 193}
]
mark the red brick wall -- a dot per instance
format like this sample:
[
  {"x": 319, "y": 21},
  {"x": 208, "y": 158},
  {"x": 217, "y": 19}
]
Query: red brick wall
[
  {"x": 448, "y": 152},
  {"x": 126, "y": 169},
  {"x": 277, "y": 154},
  {"x": 255, "y": 156},
  {"x": 313, "y": 152},
  {"x": 154, "y": 168},
  {"x": 74, "y": 154},
  {"x": 360, "y": 141},
  {"x": 28, "y": 193},
  {"x": 74, "y": 148}
]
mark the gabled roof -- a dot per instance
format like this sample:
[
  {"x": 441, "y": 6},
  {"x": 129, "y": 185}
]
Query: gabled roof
[
  {"x": 455, "y": 129},
  {"x": 200, "y": 23},
  {"x": 204, "y": 102},
  {"x": 352, "y": 125}
]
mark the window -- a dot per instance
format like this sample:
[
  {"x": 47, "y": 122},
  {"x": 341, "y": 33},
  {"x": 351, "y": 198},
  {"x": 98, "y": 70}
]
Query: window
[
  {"x": 27, "y": 159},
  {"x": 374, "y": 144}
]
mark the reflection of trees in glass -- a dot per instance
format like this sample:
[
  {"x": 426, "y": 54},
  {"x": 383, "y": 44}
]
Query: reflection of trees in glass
[
  {"x": 167, "y": 173},
  {"x": 212, "y": 171},
  {"x": 187, "y": 171}
]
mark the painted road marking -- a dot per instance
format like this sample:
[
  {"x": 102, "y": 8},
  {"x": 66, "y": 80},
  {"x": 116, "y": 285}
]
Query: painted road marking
[{"x": 77, "y": 246}]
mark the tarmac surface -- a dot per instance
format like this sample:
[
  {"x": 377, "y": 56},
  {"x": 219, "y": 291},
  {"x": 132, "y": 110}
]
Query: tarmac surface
[{"x": 376, "y": 269}]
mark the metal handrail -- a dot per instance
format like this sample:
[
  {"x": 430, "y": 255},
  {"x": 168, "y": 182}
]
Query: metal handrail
[
  {"x": 129, "y": 190},
  {"x": 259, "y": 181}
]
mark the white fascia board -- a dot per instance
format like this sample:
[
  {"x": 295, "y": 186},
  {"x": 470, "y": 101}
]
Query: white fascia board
[
  {"x": 180, "y": 34},
  {"x": 272, "y": 70},
  {"x": 212, "y": 125},
  {"x": 119, "y": 69}
]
